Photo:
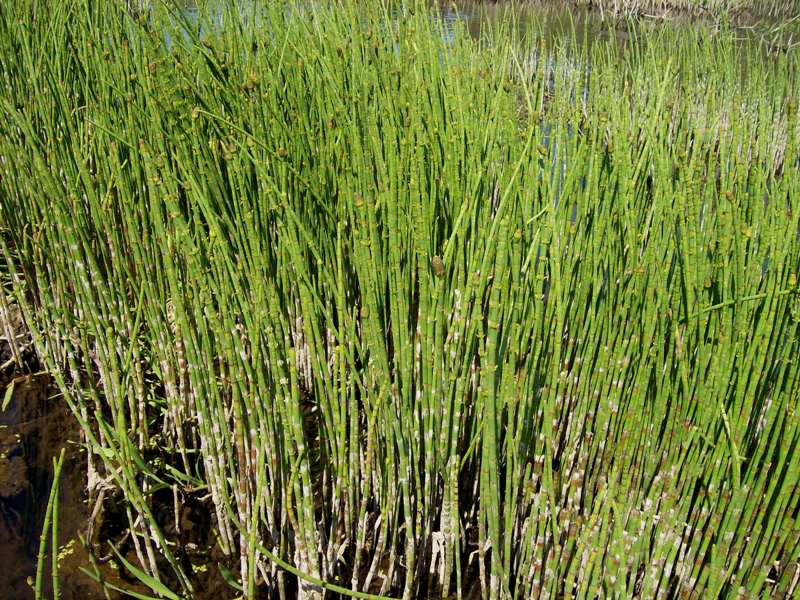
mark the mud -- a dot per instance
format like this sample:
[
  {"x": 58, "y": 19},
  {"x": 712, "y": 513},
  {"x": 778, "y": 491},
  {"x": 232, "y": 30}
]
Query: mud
[{"x": 35, "y": 425}]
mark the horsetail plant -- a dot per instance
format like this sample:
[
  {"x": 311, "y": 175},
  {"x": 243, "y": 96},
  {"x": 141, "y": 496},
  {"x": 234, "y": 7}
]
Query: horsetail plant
[{"x": 409, "y": 314}]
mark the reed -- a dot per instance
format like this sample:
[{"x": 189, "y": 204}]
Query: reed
[{"x": 411, "y": 313}]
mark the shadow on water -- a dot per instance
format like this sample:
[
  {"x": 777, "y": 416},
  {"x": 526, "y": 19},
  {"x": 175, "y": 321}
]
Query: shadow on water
[{"x": 34, "y": 426}]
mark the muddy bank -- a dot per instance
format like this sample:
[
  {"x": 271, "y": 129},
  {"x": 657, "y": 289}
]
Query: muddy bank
[
  {"x": 35, "y": 424},
  {"x": 34, "y": 427},
  {"x": 32, "y": 430}
]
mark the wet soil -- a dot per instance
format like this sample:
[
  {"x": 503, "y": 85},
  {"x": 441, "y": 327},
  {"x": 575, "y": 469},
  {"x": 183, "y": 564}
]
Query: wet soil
[
  {"x": 34, "y": 427},
  {"x": 35, "y": 424},
  {"x": 33, "y": 430}
]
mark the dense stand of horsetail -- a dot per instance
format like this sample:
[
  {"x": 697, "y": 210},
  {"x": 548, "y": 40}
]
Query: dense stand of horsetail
[{"x": 411, "y": 314}]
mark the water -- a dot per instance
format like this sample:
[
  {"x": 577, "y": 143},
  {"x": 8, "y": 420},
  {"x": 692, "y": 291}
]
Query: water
[
  {"x": 34, "y": 425},
  {"x": 480, "y": 21}
]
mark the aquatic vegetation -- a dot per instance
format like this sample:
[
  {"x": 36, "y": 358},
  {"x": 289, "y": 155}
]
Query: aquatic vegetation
[
  {"x": 716, "y": 8},
  {"x": 415, "y": 314}
]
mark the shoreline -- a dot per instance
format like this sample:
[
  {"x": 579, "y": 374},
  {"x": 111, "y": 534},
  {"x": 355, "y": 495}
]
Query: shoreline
[{"x": 741, "y": 14}]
